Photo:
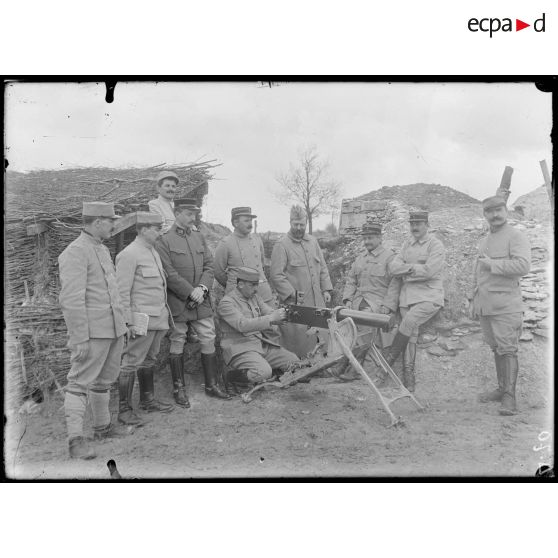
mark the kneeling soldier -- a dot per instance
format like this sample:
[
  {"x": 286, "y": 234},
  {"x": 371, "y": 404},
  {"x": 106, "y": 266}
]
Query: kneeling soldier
[
  {"x": 142, "y": 287},
  {"x": 93, "y": 314},
  {"x": 250, "y": 342}
]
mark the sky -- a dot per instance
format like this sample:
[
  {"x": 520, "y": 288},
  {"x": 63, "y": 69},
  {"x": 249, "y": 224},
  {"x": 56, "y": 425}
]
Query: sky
[{"x": 460, "y": 135}]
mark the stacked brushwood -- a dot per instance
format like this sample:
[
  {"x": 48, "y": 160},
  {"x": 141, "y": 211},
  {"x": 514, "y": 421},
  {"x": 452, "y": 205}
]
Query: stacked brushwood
[{"x": 36, "y": 354}]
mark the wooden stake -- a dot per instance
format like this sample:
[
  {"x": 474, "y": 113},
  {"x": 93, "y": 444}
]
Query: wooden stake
[{"x": 548, "y": 184}]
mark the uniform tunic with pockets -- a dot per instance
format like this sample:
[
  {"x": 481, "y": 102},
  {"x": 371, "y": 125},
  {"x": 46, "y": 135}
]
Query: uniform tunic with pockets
[
  {"x": 370, "y": 285},
  {"x": 248, "y": 339},
  {"x": 143, "y": 288},
  {"x": 370, "y": 282},
  {"x": 497, "y": 292},
  {"x": 422, "y": 291},
  {"x": 93, "y": 312},
  {"x": 188, "y": 262},
  {"x": 236, "y": 251},
  {"x": 299, "y": 265}
]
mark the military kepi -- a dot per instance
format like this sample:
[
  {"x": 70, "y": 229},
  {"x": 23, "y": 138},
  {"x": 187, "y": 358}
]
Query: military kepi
[
  {"x": 248, "y": 274},
  {"x": 493, "y": 202},
  {"x": 147, "y": 218},
  {"x": 99, "y": 209},
  {"x": 418, "y": 216},
  {"x": 371, "y": 228},
  {"x": 242, "y": 212},
  {"x": 187, "y": 203}
]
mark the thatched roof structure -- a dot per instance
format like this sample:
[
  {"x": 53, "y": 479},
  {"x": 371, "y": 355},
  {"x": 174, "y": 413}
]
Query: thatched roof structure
[{"x": 42, "y": 216}]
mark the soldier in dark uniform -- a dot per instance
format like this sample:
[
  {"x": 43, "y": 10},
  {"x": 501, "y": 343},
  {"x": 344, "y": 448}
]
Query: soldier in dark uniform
[
  {"x": 504, "y": 257},
  {"x": 188, "y": 263}
]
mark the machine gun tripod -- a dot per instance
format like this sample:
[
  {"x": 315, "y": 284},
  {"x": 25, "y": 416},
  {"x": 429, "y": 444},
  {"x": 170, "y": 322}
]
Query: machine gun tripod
[{"x": 341, "y": 323}]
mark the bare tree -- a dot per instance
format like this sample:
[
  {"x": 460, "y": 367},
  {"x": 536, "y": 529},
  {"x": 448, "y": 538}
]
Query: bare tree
[{"x": 308, "y": 184}]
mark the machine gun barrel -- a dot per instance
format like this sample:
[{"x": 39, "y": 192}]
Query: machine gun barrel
[
  {"x": 318, "y": 317},
  {"x": 370, "y": 319}
]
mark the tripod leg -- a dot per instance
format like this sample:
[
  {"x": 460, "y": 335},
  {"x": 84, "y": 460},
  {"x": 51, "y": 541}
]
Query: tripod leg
[{"x": 348, "y": 353}]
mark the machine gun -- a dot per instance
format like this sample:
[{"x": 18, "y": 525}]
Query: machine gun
[{"x": 341, "y": 323}]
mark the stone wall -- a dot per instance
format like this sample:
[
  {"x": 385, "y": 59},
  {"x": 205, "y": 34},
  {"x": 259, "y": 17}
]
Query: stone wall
[{"x": 354, "y": 213}]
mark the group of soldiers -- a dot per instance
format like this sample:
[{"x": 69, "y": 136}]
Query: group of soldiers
[{"x": 117, "y": 315}]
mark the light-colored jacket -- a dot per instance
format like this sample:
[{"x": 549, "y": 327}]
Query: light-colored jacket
[
  {"x": 245, "y": 325},
  {"x": 89, "y": 295},
  {"x": 236, "y": 251},
  {"x": 369, "y": 280},
  {"x": 142, "y": 284},
  {"x": 165, "y": 209},
  {"x": 426, "y": 258},
  {"x": 299, "y": 265},
  {"x": 188, "y": 262},
  {"x": 497, "y": 290}
]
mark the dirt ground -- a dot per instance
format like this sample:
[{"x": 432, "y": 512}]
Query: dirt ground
[{"x": 323, "y": 428}]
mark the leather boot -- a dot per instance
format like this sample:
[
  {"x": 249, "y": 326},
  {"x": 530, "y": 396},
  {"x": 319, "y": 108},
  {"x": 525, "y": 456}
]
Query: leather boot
[
  {"x": 409, "y": 357},
  {"x": 496, "y": 394},
  {"x": 178, "y": 383},
  {"x": 510, "y": 369},
  {"x": 148, "y": 402},
  {"x": 239, "y": 379},
  {"x": 230, "y": 386},
  {"x": 209, "y": 365},
  {"x": 126, "y": 413},
  {"x": 111, "y": 431},
  {"x": 79, "y": 448},
  {"x": 397, "y": 347}
]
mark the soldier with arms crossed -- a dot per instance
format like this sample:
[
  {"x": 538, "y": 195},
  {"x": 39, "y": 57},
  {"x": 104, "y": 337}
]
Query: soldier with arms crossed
[
  {"x": 96, "y": 326},
  {"x": 420, "y": 265}
]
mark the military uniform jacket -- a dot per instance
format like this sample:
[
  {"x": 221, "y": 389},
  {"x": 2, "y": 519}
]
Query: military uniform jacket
[
  {"x": 142, "y": 284},
  {"x": 369, "y": 280},
  {"x": 165, "y": 209},
  {"x": 299, "y": 265},
  {"x": 89, "y": 295},
  {"x": 188, "y": 262},
  {"x": 245, "y": 325},
  {"x": 236, "y": 251},
  {"x": 497, "y": 290},
  {"x": 426, "y": 258}
]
